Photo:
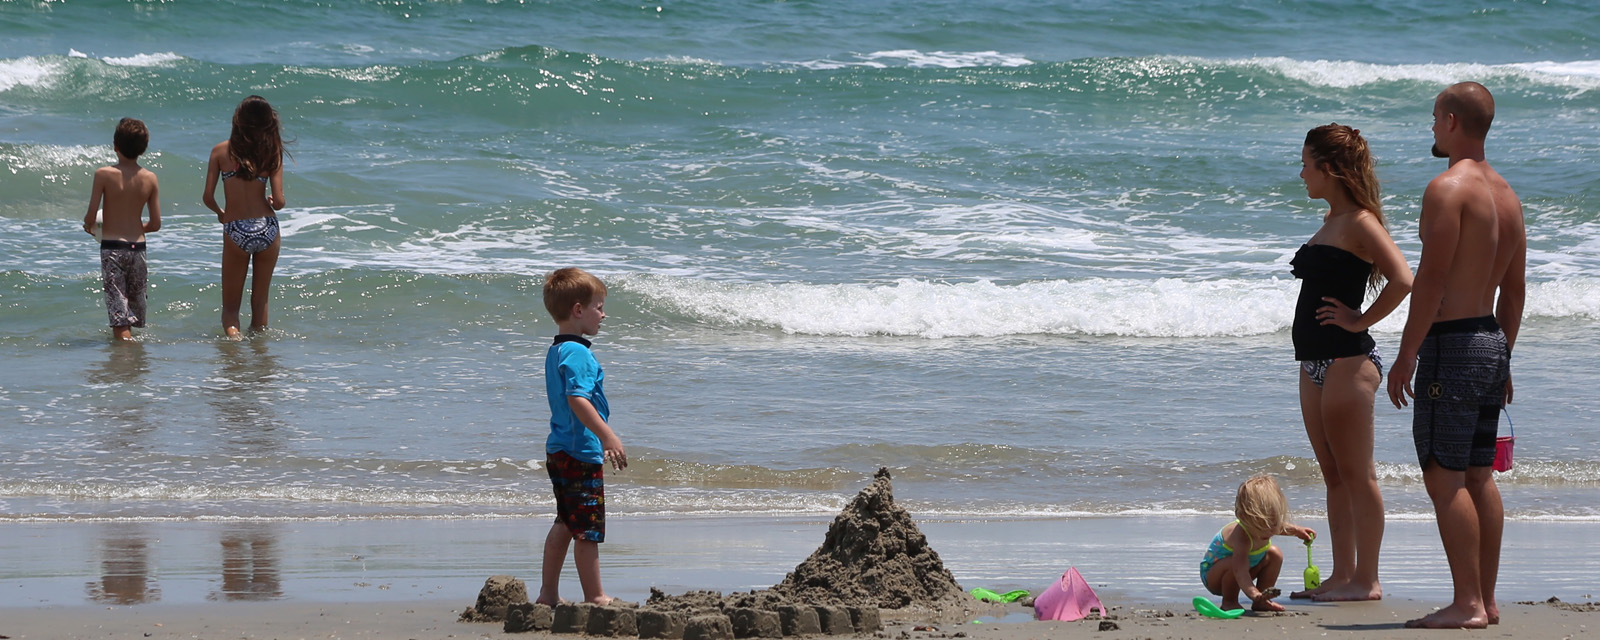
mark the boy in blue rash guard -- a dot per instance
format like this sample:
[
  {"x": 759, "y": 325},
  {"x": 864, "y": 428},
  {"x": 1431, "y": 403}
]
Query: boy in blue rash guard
[{"x": 580, "y": 440}]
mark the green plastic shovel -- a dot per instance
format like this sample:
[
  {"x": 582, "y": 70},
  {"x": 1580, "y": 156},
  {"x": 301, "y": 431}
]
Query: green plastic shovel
[
  {"x": 990, "y": 596},
  {"x": 1313, "y": 576},
  {"x": 1206, "y": 608}
]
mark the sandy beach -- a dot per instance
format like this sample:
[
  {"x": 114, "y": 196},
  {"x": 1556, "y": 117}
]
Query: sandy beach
[
  {"x": 437, "y": 619},
  {"x": 413, "y": 578}
]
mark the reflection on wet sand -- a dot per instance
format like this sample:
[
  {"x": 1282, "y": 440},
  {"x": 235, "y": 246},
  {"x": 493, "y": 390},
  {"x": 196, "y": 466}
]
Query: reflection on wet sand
[
  {"x": 246, "y": 385},
  {"x": 250, "y": 563},
  {"x": 124, "y": 408},
  {"x": 124, "y": 567}
]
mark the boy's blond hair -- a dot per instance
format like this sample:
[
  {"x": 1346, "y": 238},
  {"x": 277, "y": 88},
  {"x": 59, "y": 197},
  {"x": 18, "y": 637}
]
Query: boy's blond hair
[
  {"x": 566, "y": 287},
  {"x": 1260, "y": 505}
]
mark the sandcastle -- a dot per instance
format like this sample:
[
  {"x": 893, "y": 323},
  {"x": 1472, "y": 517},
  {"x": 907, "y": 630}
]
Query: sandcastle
[{"x": 873, "y": 557}]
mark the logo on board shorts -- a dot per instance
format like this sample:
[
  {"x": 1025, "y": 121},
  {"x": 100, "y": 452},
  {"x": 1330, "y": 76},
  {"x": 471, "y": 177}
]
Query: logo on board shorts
[{"x": 1435, "y": 390}]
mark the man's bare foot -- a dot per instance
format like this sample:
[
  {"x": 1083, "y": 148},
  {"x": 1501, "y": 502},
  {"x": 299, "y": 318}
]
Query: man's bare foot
[
  {"x": 1451, "y": 618},
  {"x": 1350, "y": 592},
  {"x": 1265, "y": 605}
]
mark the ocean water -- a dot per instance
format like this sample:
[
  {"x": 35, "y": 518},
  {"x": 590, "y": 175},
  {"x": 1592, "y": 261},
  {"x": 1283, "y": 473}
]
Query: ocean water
[{"x": 1032, "y": 257}]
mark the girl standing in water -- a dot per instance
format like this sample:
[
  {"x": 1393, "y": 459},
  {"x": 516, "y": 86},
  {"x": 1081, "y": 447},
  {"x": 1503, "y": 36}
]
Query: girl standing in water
[
  {"x": 247, "y": 164},
  {"x": 1340, "y": 367}
]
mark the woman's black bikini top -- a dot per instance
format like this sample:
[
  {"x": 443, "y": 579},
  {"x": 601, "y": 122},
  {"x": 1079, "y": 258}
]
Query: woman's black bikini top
[{"x": 1328, "y": 271}]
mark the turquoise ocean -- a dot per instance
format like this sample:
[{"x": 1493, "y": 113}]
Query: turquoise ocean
[{"x": 1031, "y": 256}]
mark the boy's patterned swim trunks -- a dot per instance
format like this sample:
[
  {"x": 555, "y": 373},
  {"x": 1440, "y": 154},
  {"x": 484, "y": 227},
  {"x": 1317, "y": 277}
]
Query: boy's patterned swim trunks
[
  {"x": 580, "y": 495},
  {"x": 123, "y": 271}
]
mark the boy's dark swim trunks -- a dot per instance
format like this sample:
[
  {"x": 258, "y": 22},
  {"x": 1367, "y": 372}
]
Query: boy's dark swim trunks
[
  {"x": 1462, "y": 370},
  {"x": 580, "y": 495}
]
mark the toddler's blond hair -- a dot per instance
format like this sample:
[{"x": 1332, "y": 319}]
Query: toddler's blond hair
[{"x": 1260, "y": 506}]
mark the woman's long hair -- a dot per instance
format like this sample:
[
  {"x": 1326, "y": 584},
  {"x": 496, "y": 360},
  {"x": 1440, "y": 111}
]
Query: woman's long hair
[
  {"x": 256, "y": 143},
  {"x": 1343, "y": 153}
]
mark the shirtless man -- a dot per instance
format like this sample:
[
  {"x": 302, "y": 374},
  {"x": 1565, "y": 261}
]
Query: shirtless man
[
  {"x": 1473, "y": 243},
  {"x": 123, "y": 191}
]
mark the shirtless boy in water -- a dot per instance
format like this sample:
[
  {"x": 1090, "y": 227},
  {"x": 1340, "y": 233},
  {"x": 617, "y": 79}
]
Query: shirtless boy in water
[
  {"x": 1473, "y": 244},
  {"x": 123, "y": 191}
]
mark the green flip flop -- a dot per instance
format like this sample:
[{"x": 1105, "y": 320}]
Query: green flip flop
[
  {"x": 1204, "y": 606},
  {"x": 990, "y": 596}
]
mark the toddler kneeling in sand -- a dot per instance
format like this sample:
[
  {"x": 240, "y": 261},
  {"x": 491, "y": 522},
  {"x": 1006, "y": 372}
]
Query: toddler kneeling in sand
[{"x": 1261, "y": 512}]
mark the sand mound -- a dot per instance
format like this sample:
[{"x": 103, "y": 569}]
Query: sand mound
[
  {"x": 874, "y": 554},
  {"x": 872, "y": 557}
]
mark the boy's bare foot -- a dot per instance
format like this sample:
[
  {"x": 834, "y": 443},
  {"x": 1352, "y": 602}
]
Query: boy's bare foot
[
  {"x": 1451, "y": 618},
  {"x": 1351, "y": 592}
]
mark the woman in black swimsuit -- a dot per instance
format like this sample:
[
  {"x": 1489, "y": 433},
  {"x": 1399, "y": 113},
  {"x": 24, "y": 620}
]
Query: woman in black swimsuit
[{"x": 1340, "y": 367}]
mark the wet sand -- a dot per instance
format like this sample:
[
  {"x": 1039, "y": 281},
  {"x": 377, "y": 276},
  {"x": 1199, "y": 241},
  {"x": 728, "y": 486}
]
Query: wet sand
[
  {"x": 412, "y": 578},
  {"x": 437, "y": 619}
]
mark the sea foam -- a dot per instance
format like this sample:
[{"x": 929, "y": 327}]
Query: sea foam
[
  {"x": 1162, "y": 307},
  {"x": 1344, "y": 74},
  {"x": 26, "y": 72},
  {"x": 144, "y": 60}
]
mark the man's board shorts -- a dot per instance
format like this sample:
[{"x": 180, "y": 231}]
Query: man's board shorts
[
  {"x": 1462, "y": 371},
  {"x": 580, "y": 495},
  {"x": 126, "y": 278}
]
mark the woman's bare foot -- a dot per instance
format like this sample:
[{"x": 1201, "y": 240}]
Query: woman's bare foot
[
  {"x": 1493, "y": 611},
  {"x": 1328, "y": 585},
  {"x": 1351, "y": 592},
  {"x": 1451, "y": 618},
  {"x": 601, "y": 600},
  {"x": 1230, "y": 605},
  {"x": 1265, "y": 605}
]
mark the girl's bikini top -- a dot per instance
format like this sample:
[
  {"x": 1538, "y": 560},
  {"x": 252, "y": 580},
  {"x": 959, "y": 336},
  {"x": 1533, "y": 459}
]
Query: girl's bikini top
[
  {"x": 224, "y": 175},
  {"x": 1328, "y": 271}
]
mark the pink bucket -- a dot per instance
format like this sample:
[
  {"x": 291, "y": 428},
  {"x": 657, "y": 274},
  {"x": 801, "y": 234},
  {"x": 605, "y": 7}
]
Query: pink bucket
[
  {"x": 1502, "y": 446},
  {"x": 1502, "y": 453}
]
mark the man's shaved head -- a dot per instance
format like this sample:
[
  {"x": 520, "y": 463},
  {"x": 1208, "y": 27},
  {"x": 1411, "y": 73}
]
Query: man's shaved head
[{"x": 1472, "y": 106}]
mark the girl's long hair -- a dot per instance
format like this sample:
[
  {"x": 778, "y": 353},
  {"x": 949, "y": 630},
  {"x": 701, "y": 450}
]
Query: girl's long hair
[
  {"x": 256, "y": 144},
  {"x": 1343, "y": 153}
]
